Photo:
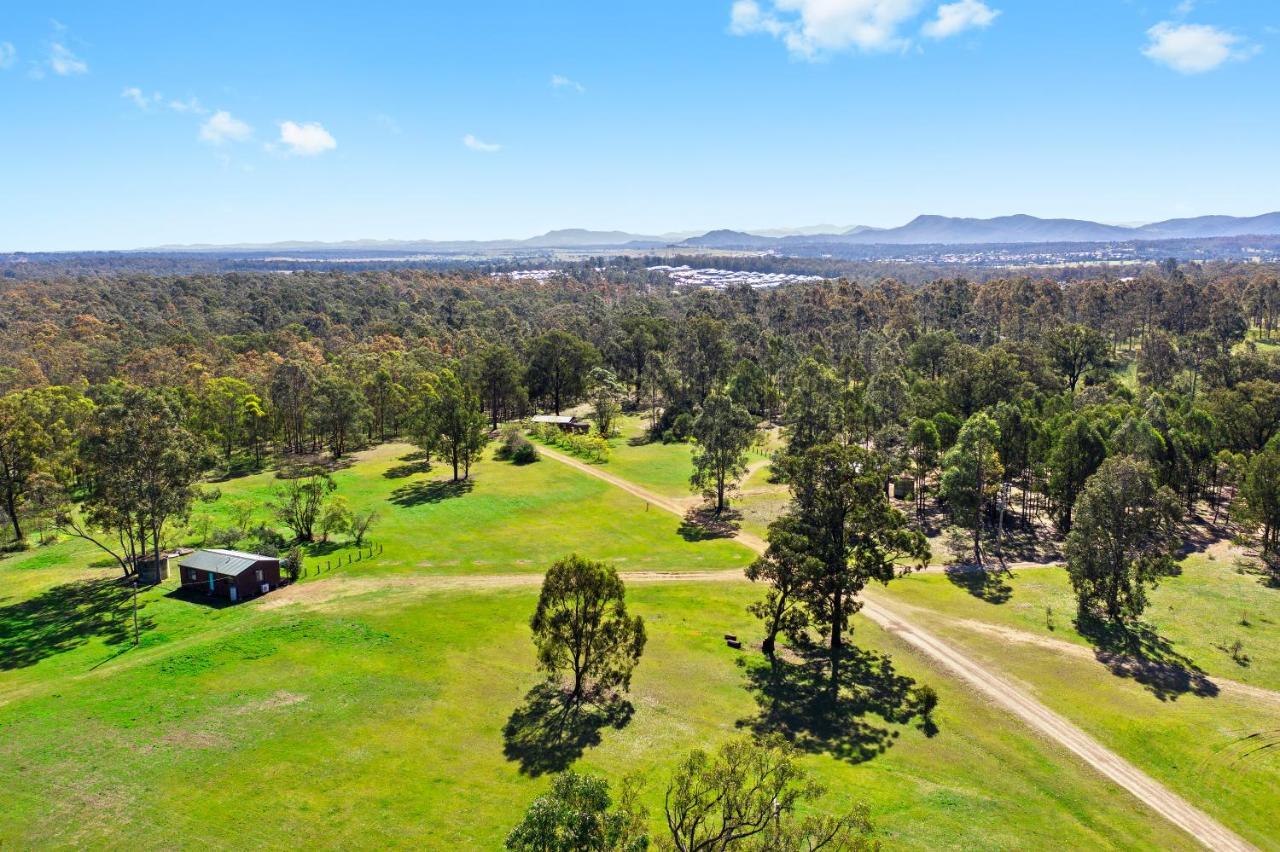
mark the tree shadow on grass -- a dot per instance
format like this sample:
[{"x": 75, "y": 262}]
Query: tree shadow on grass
[
  {"x": 547, "y": 732},
  {"x": 66, "y": 617},
  {"x": 433, "y": 491},
  {"x": 984, "y": 584},
  {"x": 414, "y": 463},
  {"x": 703, "y": 524},
  {"x": 855, "y": 722},
  {"x": 1135, "y": 650}
]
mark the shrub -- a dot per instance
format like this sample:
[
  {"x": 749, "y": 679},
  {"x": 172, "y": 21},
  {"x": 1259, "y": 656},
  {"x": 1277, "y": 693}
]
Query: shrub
[
  {"x": 226, "y": 536},
  {"x": 526, "y": 453},
  {"x": 593, "y": 448},
  {"x": 681, "y": 429},
  {"x": 291, "y": 565},
  {"x": 515, "y": 447}
]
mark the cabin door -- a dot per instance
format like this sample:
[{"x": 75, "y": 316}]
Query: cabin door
[{"x": 234, "y": 591}]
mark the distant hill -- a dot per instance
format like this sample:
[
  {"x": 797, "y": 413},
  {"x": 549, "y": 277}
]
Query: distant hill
[
  {"x": 725, "y": 239},
  {"x": 922, "y": 230},
  {"x": 1268, "y": 224},
  {"x": 948, "y": 230}
]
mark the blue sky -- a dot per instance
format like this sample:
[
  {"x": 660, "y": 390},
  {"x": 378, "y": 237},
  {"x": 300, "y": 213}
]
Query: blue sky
[{"x": 133, "y": 124}]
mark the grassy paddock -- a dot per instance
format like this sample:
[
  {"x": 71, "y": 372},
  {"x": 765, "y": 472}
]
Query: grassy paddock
[
  {"x": 1198, "y": 614},
  {"x": 362, "y": 723}
]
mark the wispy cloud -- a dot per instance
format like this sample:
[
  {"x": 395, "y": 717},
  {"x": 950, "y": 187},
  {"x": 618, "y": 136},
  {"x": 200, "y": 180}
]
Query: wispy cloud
[
  {"x": 141, "y": 99},
  {"x": 65, "y": 63},
  {"x": 1194, "y": 48},
  {"x": 8, "y": 54},
  {"x": 306, "y": 140},
  {"x": 811, "y": 29},
  {"x": 478, "y": 145},
  {"x": 222, "y": 126},
  {"x": 559, "y": 81},
  {"x": 190, "y": 105},
  {"x": 954, "y": 18}
]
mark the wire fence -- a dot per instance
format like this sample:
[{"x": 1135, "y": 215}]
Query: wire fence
[{"x": 361, "y": 553}]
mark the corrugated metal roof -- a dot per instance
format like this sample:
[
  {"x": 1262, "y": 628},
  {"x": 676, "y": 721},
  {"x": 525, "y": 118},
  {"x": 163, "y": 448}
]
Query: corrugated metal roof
[
  {"x": 553, "y": 418},
  {"x": 231, "y": 563}
]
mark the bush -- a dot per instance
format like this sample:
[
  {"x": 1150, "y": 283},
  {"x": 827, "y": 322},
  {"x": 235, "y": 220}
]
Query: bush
[
  {"x": 291, "y": 565},
  {"x": 515, "y": 447},
  {"x": 593, "y": 448},
  {"x": 226, "y": 536},
  {"x": 266, "y": 540},
  {"x": 526, "y": 453},
  {"x": 681, "y": 429}
]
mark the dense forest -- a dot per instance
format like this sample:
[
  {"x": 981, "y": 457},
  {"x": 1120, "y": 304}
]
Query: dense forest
[{"x": 1027, "y": 384}]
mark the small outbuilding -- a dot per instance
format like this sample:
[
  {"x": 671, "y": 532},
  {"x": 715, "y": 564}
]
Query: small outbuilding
[
  {"x": 231, "y": 574},
  {"x": 564, "y": 422}
]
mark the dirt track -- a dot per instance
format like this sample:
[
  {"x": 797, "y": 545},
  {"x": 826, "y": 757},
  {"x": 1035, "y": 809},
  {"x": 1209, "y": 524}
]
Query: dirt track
[{"x": 1159, "y": 798}]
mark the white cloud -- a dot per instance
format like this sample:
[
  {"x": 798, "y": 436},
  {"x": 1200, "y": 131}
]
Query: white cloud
[
  {"x": 307, "y": 139},
  {"x": 65, "y": 63},
  {"x": 559, "y": 81},
  {"x": 955, "y": 18},
  {"x": 477, "y": 145},
  {"x": 141, "y": 99},
  {"x": 1186, "y": 7},
  {"x": 8, "y": 54},
  {"x": 222, "y": 126},
  {"x": 190, "y": 105},
  {"x": 1193, "y": 48},
  {"x": 813, "y": 28}
]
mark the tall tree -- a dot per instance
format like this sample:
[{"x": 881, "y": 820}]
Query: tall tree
[
  {"x": 1260, "y": 493},
  {"x": 851, "y": 532},
  {"x": 37, "y": 444},
  {"x": 724, "y": 432},
  {"x": 140, "y": 467},
  {"x": 497, "y": 372},
  {"x": 972, "y": 474},
  {"x": 923, "y": 445},
  {"x": 219, "y": 412},
  {"x": 605, "y": 393},
  {"x": 1076, "y": 454},
  {"x": 748, "y": 795},
  {"x": 341, "y": 410},
  {"x": 1123, "y": 539},
  {"x": 452, "y": 425},
  {"x": 299, "y": 502},
  {"x": 578, "y": 815},
  {"x": 559, "y": 363},
  {"x": 1075, "y": 349},
  {"x": 581, "y": 628},
  {"x": 786, "y": 566}
]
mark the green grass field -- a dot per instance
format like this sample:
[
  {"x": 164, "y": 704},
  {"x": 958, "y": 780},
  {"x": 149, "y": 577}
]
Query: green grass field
[
  {"x": 370, "y": 705},
  {"x": 364, "y": 723},
  {"x": 662, "y": 468},
  {"x": 1199, "y": 614}
]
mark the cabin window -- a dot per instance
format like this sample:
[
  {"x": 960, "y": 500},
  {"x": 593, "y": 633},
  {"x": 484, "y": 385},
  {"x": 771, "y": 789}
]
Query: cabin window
[{"x": 259, "y": 573}]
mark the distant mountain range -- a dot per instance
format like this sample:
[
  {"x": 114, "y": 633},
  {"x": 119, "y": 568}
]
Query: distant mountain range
[{"x": 923, "y": 230}]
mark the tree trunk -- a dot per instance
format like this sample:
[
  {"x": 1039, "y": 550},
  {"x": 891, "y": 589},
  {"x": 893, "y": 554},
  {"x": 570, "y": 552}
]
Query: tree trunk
[
  {"x": 837, "y": 639},
  {"x": 11, "y": 503}
]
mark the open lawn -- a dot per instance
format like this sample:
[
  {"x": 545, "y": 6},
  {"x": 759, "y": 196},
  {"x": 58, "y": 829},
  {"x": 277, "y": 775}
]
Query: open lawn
[
  {"x": 662, "y": 468},
  {"x": 377, "y": 704},
  {"x": 389, "y": 720},
  {"x": 1196, "y": 616},
  {"x": 1216, "y": 748}
]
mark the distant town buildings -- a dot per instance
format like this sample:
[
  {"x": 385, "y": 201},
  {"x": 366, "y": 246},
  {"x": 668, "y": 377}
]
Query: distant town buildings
[{"x": 721, "y": 279}]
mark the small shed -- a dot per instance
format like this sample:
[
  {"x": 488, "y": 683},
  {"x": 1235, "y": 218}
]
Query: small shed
[
  {"x": 151, "y": 571},
  {"x": 564, "y": 422},
  {"x": 231, "y": 574}
]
